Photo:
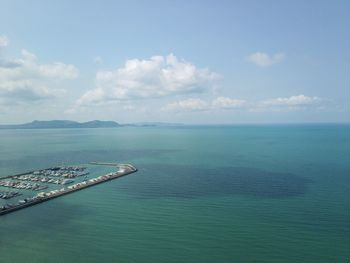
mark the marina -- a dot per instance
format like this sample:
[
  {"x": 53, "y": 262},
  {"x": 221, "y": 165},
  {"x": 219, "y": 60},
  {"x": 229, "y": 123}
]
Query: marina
[
  {"x": 8, "y": 194},
  {"x": 50, "y": 175}
]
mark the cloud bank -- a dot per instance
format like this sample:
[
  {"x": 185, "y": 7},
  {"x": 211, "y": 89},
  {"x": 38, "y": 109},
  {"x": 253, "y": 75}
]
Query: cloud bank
[
  {"x": 299, "y": 100},
  {"x": 292, "y": 103},
  {"x": 228, "y": 103},
  {"x": 197, "y": 104},
  {"x": 25, "y": 79},
  {"x": 159, "y": 76}
]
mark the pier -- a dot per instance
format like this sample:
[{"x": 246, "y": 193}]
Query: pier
[{"x": 124, "y": 169}]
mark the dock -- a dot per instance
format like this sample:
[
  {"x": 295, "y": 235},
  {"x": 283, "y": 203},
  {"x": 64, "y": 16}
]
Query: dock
[{"x": 124, "y": 169}]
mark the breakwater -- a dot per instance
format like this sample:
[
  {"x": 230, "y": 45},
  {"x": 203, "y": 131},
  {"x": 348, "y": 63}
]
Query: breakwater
[{"x": 124, "y": 169}]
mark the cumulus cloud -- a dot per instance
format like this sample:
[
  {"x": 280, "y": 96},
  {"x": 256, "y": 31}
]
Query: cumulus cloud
[
  {"x": 94, "y": 96},
  {"x": 4, "y": 41},
  {"x": 31, "y": 68},
  {"x": 26, "y": 79},
  {"x": 191, "y": 104},
  {"x": 8, "y": 64},
  {"x": 159, "y": 76},
  {"x": 228, "y": 103},
  {"x": 262, "y": 59},
  {"x": 26, "y": 91}
]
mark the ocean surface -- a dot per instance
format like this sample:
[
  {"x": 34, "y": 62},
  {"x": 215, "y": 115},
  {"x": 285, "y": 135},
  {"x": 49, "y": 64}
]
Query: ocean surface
[{"x": 202, "y": 194}]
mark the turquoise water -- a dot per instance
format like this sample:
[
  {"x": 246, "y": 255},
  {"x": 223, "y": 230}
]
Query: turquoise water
[{"x": 202, "y": 194}]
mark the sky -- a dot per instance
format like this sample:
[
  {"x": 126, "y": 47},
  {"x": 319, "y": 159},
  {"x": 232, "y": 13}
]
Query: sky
[{"x": 196, "y": 62}]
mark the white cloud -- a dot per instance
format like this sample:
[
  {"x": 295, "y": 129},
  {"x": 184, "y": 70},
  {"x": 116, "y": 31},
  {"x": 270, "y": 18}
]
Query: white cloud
[
  {"x": 265, "y": 60},
  {"x": 228, "y": 103},
  {"x": 55, "y": 70},
  {"x": 27, "y": 56},
  {"x": 92, "y": 97},
  {"x": 159, "y": 76},
  {"x": 28, "y": 90},
  {"x": 191, "y": 104},
  {"x": 197, "y": 104},
  {"x": 299, "y": 100},
  {"x": 4, "y": 41},
  {"x": 292, "y": 103},
  {"x": 25, "y": 79}
]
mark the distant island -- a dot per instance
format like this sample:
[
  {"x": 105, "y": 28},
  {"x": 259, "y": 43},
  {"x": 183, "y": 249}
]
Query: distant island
[{"x": 62, "y": 124}]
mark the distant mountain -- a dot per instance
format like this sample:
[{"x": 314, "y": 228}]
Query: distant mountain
[{"x": 62, "y": 124}]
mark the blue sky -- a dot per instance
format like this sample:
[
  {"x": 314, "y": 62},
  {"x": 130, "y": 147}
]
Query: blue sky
[{"x": 175, "y": 61}]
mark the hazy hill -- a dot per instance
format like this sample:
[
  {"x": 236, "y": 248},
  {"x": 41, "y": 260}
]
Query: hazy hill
[{"x": 62, "y": 124}]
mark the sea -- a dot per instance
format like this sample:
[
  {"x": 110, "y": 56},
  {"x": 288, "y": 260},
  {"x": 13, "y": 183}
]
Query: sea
[{"x": 241, "y": 193}]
